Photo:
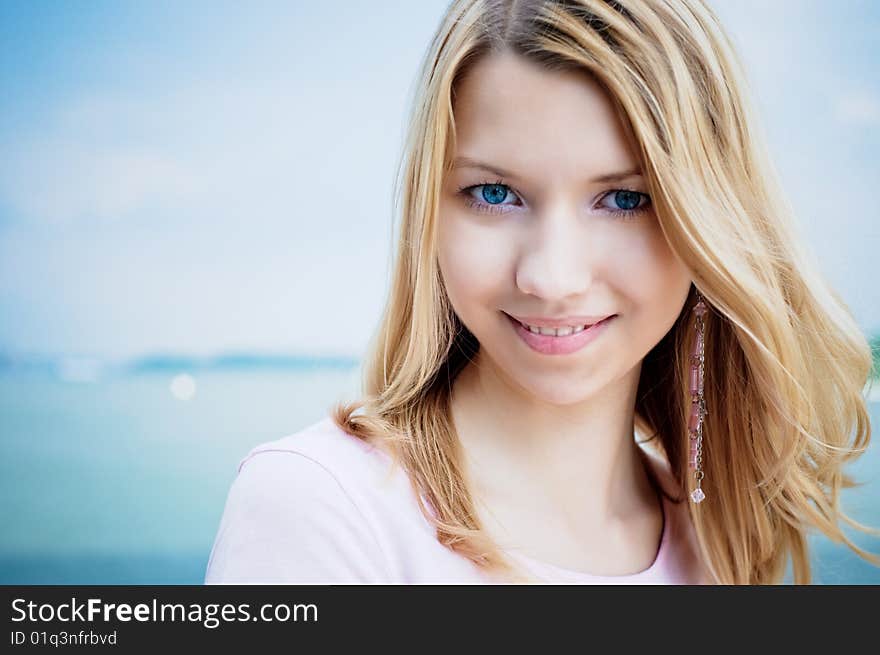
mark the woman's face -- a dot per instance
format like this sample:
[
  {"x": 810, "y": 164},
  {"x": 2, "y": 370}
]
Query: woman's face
[{"x": 533, "y": 226}]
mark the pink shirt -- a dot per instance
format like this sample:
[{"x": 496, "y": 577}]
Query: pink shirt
[{"x": 322, "y": 507}]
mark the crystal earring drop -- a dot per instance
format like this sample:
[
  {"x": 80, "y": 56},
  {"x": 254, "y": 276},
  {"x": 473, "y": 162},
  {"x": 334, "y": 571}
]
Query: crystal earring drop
[{"x": 698, "y": 402}]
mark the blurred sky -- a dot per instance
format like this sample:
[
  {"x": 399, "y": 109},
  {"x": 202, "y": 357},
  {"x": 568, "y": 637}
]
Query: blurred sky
[{"x": 209, "y": 176}]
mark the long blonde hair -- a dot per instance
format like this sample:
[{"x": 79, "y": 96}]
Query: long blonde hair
[{"x": 786, "y": 363}]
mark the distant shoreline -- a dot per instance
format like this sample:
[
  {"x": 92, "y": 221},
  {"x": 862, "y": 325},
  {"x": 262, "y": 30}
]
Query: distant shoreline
[{"x": 91, "y": 369}]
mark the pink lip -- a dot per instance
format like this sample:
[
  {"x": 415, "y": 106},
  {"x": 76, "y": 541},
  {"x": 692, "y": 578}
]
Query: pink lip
[
  {"x": 539, "y": 321},
  {"x": 550, "y": 345}
]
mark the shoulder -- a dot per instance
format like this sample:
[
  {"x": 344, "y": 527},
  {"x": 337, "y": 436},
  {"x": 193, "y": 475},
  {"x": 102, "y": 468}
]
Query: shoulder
[
  {"x": 683, "y": 562},
  {"x": 298, "y": 512},
  {"x": 325, "y": 444}
]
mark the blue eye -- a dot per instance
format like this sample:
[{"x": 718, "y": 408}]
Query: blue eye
[
  {"x": 627, "y": 202},
  {"x": 489, "y": 197},
  {"x": 494, "y": 193}
]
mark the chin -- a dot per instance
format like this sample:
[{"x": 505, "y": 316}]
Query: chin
[{"x": 559, "y": 393}]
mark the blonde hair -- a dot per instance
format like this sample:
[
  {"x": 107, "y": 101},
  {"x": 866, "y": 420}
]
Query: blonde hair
[{"x": 786, "y": 363}]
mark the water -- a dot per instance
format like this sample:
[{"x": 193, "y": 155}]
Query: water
[{"x": 120, "y": 481}]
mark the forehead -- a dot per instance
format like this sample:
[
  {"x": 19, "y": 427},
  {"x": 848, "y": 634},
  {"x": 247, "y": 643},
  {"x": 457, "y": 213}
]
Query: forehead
[{"x": 520, "y": 116}]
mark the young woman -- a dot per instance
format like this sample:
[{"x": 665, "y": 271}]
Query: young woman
[{"x": 606, "y": 356}]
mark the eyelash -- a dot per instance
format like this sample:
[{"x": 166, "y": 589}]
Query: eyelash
[{"x": 624, "y": 214}]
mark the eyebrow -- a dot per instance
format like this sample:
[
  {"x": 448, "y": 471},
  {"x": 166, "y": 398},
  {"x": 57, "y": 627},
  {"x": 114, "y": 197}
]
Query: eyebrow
[{"x": 468, "y": 162}]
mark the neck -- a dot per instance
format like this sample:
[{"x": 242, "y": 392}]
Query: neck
[{"x": 581, "y": 459}]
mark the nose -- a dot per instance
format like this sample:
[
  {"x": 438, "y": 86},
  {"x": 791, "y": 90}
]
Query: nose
[{"x": 558, "y": 259}]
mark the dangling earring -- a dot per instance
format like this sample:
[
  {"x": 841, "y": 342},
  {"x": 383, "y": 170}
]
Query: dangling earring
[{"x": 698, "y": 402}]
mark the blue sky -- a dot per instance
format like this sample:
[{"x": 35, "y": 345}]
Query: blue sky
[{"x": 202, "y": 177}]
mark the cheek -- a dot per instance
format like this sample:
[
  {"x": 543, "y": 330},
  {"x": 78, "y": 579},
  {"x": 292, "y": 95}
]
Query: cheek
[
  {"x": 650, "y": 275},
  {"x": 472, "y": 260}
]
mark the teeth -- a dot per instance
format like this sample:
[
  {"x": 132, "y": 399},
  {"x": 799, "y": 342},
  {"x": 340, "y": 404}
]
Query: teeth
[{"x": 554, "y": 332}]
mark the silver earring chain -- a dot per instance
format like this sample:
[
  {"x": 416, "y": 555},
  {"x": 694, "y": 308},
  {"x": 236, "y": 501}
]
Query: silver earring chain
[{"x": 698, "y": 401}]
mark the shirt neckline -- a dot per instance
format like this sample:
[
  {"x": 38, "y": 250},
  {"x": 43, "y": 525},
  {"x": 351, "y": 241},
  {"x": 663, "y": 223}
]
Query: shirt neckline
[
  {"x": 557, "y": 573},
  {"x": 562, "y": 574}
]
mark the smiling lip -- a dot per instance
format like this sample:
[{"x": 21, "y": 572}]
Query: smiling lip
[
  {"x": 572, "y": 321},
  {"x": 551, "y": 345}
]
